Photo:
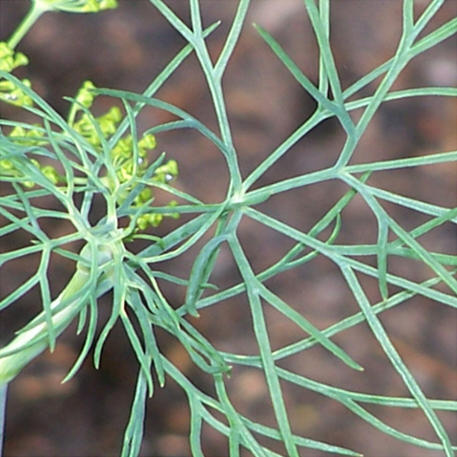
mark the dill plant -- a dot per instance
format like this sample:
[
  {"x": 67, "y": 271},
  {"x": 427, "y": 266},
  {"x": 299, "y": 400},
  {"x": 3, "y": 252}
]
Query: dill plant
[{"x": 75, "y": 159}]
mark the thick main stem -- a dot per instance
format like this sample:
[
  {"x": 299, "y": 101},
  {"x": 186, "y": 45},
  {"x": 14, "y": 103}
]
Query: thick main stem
[
  {"x": 11, "y": 365},
  {"x": 72, "y": 299}
]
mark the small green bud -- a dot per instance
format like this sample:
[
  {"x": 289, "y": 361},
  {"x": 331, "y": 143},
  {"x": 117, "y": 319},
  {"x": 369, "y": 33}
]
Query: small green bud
[
  {"x": 125, "y": 172},
  {"x": 28, "y": 184},
  {"x": 171, "y": 205},
  {"x": 35, "y": 162},
  {"x": 123, "y": 149},
  {"x": 147, "y": 142},
  {"x": 20, "y": 60},
  {"x": 114, "y": 114},
  {"x": 149, "y": 220},
  {"x": 142, "y": 222},
  {"x": 51, "y": 173},
  {"x": 6, "y": 166},
  {"x": 108, "y": 122},
  {"x": 9, "y": 60},
  {"x": 18, "y": 131},
  {"x": 28, "y": 137},
  {"x": 166, "y": 172},
  {"x": 84, "y": 96},
  {"x": 154, "y": 219},
  {"x": 14, "y": 95},
  {"x": 145, "y": 195},
  {"x": 5, "y": 50},
  {"x": 86, "y": 129}
]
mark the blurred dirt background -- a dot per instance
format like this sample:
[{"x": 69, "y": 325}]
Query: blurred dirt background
[{"x": 124, "y": 49}]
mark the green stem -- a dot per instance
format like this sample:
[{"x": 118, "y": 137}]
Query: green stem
[
  {"x": 12, "y": 364},
  {"x": 33, "y": 339},
  {"x": 35, "y": 11}
]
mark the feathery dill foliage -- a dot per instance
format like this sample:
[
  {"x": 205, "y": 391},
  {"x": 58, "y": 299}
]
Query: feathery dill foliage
[{"x": 81, "y": 157}]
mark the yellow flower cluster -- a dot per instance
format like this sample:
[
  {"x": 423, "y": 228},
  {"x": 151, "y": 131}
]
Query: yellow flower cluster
[
  {"x": 128, "y": 159},
  {"x": 9, "y": 60},
  {"x": 28, "y": 137},
  {"x": 128, "y": 162},
  {"x": 9, "y": 91},
  {"x": 9, "y": 169},
  {"x": 12, "y": 169}
]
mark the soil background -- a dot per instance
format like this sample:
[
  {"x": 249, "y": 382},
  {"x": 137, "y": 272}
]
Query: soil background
[{"x": 124, "y": 49}]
